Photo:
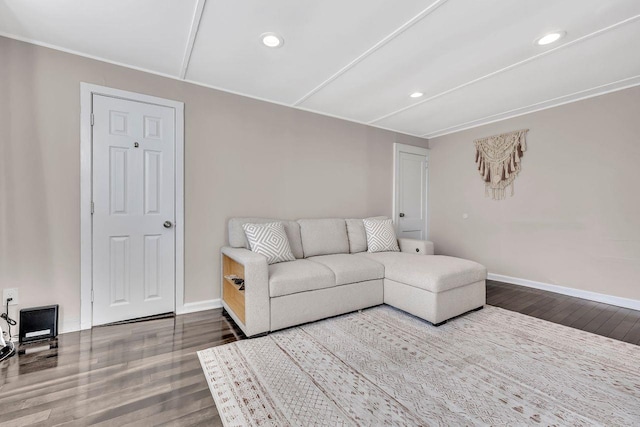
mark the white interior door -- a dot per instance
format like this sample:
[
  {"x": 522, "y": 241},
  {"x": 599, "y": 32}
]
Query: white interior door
[
  {"x": 133, "y": 209},
  {"x": 411, "y": 191}
]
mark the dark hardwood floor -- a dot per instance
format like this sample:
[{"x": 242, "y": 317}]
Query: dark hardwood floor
[
  {"x": 148, "y": 373},
  {"x": 603, "y": 319},
  {"x": 138, "y": 374}
]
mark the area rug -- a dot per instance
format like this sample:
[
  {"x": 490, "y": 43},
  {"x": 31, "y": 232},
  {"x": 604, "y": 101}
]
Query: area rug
[{"x": 384, "y": 367}]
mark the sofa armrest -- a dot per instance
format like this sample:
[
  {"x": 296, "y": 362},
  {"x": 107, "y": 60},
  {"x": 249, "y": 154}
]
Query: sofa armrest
[
  {"x": 245, "y": 256},
  {"x": 256, "y": 294},
  {"x": 415, "y": 246}
]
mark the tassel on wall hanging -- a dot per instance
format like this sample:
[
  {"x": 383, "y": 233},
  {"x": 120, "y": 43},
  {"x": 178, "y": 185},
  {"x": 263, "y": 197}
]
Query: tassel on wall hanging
[{"x": 498, "y": 158}]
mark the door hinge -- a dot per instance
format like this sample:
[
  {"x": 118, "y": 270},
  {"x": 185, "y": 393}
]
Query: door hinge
[
  {"x": 92, "y": 208},
  {"x": 92, "y": 119},
  {"x": 91, "y": 295}
]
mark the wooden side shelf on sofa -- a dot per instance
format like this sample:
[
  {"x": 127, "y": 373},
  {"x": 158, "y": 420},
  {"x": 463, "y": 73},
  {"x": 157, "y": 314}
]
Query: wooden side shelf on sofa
[{"x": 231, "y": 293}]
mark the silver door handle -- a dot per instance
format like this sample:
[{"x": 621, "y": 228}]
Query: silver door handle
[
  {"x": 401, "y": 215},
  {"x": 167, "y": 224}
]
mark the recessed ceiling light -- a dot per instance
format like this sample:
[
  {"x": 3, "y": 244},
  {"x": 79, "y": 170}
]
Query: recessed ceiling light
[
  {"x": 550, "y": 38},
  {"x": 271, "y": 40},
  {"x": 416, "y": 94}
]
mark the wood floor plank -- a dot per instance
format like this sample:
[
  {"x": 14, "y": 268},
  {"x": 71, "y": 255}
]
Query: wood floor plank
[
  {"x": 544, "y": 309},
  {"x": 633, "y": 336},
  {"x": 629, "y": 321},
  {"x": 601, "y": 319},
  {"x": 508, "y": 296},
  {"x": 207, "y": 417},
  {"x": 170, "y": 411},
  {"x": 609, "y": 326},
  {"x": 520, "y": 301},
  {"x": 583, "y": 320},
  {"x": 582, "y": 310},
  {"x": 504, "y": 296},
  {"x": 27, "y": 419},
  {"x": 560, "y": 307},
  {"x": 537, "y": 305},
  {"x": 561, "y": 315},
  {"x": 119, "y": 374}
]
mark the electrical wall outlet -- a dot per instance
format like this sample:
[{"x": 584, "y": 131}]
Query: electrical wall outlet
[{"x": 10, "y": 293}]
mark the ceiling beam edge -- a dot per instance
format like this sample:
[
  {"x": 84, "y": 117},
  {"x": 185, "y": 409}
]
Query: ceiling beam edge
[
  {"x": 193, "y": 82},
  {"x": 193, "y": 32},
  {"x": 581, "y": 95},
  {"x": 508, "y": 67},
  {"x": 404, "y": 27}
]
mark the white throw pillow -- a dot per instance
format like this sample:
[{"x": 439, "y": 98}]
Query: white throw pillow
[
  {"x": 269, "y": 240},
  {"x": 381, "y": 236}
]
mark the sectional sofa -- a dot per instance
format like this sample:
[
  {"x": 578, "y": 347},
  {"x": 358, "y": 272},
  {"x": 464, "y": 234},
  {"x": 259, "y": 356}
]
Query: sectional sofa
[{"x": 334, "y": 274}]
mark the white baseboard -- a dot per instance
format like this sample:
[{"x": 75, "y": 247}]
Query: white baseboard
[
  {"x": 192, "y": 307},
  {"x": 69, "y": 325},
  {"x": 588, "y": 295},
  {"x": 73, "y": 325}
]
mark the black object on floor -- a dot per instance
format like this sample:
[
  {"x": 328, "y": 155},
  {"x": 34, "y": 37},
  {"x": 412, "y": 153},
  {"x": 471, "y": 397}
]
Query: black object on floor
[{"x": 38, "y": 323}]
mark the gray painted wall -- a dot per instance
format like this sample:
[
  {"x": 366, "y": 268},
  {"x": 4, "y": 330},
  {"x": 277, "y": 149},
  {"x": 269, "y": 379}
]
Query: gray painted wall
[
  {"x": 574, "y": 220},
  {"x": 242, "y": 158}
]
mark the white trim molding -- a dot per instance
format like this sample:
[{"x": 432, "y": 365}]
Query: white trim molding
[
  {"x": 86, "y": 239},
  {"x": 403, "y": 28},
  {"x": 199, "y": 6},
  {"x": 196, "y": 83},
  {"x": 193, "y": 32},
  {"x": 69, "y": 325},
  {"x": 579, "y": 293},
  {"x": 540, "y": 106},
  {"x": 509, "y": 67},
  {"x": 192, "y": 307}
]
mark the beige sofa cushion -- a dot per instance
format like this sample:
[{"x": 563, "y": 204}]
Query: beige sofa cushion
[
  {"x": 357, "y": 234},
  {"x": 381, "y": 235},
  {"x": 269, "y": 240},
  {"x": 349, "y": 268},
  {"x": 301, "y": 275},
  {"x": 323, "y": 236},
  {"x": 434, "y": 273},
  {"x": 238, "y": 238}
]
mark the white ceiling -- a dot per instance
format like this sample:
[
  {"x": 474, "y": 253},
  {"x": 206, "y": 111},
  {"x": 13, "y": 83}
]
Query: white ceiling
[{"x": 475, "y": 61}]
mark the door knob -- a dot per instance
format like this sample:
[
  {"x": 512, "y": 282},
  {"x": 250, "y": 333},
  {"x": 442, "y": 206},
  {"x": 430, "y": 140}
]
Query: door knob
[
  {"x": 167, "y": 224},
  {"x": 401, "y": 215}
]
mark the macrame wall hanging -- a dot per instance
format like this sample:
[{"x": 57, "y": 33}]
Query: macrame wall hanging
[{"x": 498, "y": 159}]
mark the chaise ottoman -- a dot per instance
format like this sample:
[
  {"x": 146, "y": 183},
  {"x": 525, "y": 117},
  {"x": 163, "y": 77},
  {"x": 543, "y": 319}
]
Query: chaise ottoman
[{"x": 432, "y": 287}]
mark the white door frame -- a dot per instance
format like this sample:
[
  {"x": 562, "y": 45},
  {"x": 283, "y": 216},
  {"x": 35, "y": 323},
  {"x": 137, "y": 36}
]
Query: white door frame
[
  {"x": 86, "y": 171},
  {"x": 421, "y": 151}
]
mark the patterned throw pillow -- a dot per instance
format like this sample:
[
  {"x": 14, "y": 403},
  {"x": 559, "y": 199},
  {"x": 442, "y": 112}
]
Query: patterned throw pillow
[
  {"x": 381, "y": 236},
  {"x": 269, "y": 240}
]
